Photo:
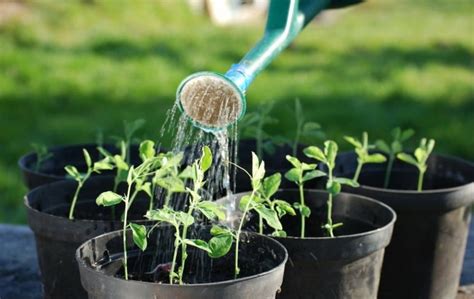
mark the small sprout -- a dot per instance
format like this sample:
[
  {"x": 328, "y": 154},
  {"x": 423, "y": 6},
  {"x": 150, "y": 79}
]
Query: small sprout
[
  {"x": 304, "y": 128},
  {"x": 80, "y": 178},
  {"x": 42, "y": 155},
  {"x": 363, "y": 156},
  {"x": 396, "y": 146},
  {"x": 299, "y": 174},
  {"x": 419, "y": 159},
  {"x": 333, "y": 185}
]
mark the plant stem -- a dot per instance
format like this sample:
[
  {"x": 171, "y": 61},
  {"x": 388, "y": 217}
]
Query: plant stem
[
  {"x": 125, "y": 258},
  {"x": 420, "y": 181},
  {"x": 237, "y": 237},
  {"x": 330, "y": 228},
  {"x": 260, "y": 225},
  {"x": 74, "y": 200},
  {"x": 358, "y": 170},
  {"x": 177, "y": 241},
  {"x": 303, "y": 220},
  {"x": 388, "y": 171}
]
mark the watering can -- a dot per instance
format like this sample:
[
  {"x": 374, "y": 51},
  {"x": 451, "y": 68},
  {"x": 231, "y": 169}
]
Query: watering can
[{"x": 214, "y": 101}]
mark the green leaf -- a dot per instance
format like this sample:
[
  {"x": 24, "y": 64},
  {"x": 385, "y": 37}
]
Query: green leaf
[
  {"x": 120, "y": 162},
  {"x": 430, "y": 147},
  {"x": 244, "y": 200},
  {"x": 218, "y": 230},
  {"x": 330, "y": 150},
  {"x": 305, "y": 166},
  {"x": 147, "y": 150},
  {"x": 139, "y": 235},
  {"x": 356, "y": 143},
  {"x": 73, "y": 172},
  {"x": 420, "y": 154},
  {"x": 293, "y": 175},
  {"x": 270, "y": 216},
  {"x": 345, "y": 181},
  {"x": 310, "y": 127},
  {"x": 188, "y": 173},
  {"x": 103, "y": 164},
  {"x": 396, "y": 132},
  {"x": 212, "y": 210},
  {"x": 201, "y": 244},
  {"x": 206, "y": 159},
  {"x": 294, "y": 161},
  {"x": 255, "y": 164},
  {"x": 258, "y": 168},
  {"x": 407, "y": 134},
  {"x": 396, "y": 147},
  {"x": 108, "y": 199},
  {"x": 130, "y": 175},
  {"x": 184, "y": 218},
  {"x": 220, "y": 245},
  {"x": 315, "y": 153},
  {"x": 87, "y": 157},
  {"x": 279, "y": 233},
  {"x": 382, "y": 146},
  {"x": 375, "y": 158},
  {"x": 271, "y": 184},
  {"x": 171, "y": 183},
  {"x": 305, "y": 211},
  {"x": 407, "y": 158},
  {"x": 146, "y": 187},
  {"x": 164, "y": 215},
  {"x": 333, "y": 187},
  {"x": 313, "y": 174},
  {"x": 104, "y": 152},
  {"x": 284, "y": 206}
]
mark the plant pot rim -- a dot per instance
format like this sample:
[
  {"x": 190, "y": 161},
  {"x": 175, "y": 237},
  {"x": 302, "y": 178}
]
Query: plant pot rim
[
  {"x": 428, "y": 191},
  {"x": 387, "y": 226},
  {"x": 22, "y": 161},
  {"x": 90, "y": 270}
]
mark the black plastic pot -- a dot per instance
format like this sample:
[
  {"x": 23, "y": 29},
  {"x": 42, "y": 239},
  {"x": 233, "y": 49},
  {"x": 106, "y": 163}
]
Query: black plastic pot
[
  {"x": 424, "y": 259},
  {"x": 52, "y": 169},
  {"x": 57, "y": 237},
  {"x": 100, "y": 263},
  {"x": 347, "y": 266}
]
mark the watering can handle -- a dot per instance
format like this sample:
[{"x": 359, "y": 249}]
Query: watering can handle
[{"x": 286, "y": 18}]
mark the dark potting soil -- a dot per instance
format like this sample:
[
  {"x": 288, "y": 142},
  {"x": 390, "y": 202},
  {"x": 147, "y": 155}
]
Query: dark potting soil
[{"x": 87, "y": 209}]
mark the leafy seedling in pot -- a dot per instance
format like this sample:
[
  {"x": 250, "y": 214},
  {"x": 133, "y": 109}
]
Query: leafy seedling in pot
[
  {"x": 255, "y": 202},
  {"x": 304, "y": 128},
  {"x": 363, "y": 156},
  {"x": 333, "y": 185},
  {"x": 42, "y": 155},
  {"x": 419, "y": 159},
  {"x": 81, "y": 178},
  {"x": 221, "y": 241},
  {"x": 138, "y": 181},
  {"x": 299, "y": 174},
  {"x": 396, "y": 146}
]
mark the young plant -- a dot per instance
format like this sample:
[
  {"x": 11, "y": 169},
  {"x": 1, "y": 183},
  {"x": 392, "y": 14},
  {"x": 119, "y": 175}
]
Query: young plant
[
  {"x": 253, "y": 125},
  {"x": 254, "y": 202},
  {"x": 81, "y": 178},
  {"x": 419, "y": 159},
  {"x": 221, "y": 241},
  {"x": 137, "y": 179},
  {"x": 396, "y": 146},
  {"x": 42, "y": 155},
  {"x": 363, "y": 156},
  {"x": 333, "y": 185},
  {"x": 304, "y": 128},
  {"x": 168, "y": 176},
  {"x": 299, "y": 174}
]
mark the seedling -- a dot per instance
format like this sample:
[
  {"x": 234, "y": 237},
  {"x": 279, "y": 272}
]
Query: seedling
[
  {"x": 253, "y": 125},
  {"x": 137, "y": 178},
  {"x": 419, "y": 159},
  {"x": 363, "y": 156},
  {"x": 333, "y": 185},
  {"x": 42, "y": 155},
  {"x": 304, "y": 128},
  {"x": 396, "y": 146},
  {"x": 168, "y": 177},
  {"x": 299, "y": 174},
  {"x": 81, "y": 178},
  {"x": 254, "y": 202},
  {"x": 221, "y": 241}
]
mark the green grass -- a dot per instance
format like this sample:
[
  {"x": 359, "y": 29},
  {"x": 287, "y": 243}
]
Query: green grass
[{"x": 68, "y": 68}]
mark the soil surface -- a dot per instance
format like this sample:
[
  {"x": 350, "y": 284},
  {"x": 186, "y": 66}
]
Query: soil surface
[{"x": 19, "y": 274}]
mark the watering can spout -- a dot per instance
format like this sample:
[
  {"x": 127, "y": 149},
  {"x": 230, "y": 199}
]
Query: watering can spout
[{"x": 213, "y": 101}]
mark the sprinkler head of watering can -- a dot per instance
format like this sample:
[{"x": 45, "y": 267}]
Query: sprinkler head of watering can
[{"x": 211, "y": 101}]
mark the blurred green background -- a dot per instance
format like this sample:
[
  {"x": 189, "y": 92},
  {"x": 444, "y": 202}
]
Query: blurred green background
[{"x": 71, "y": 68}]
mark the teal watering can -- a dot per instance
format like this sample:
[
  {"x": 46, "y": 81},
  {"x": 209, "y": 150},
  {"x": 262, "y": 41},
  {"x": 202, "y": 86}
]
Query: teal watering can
[{"x": 214, "y": 101}]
